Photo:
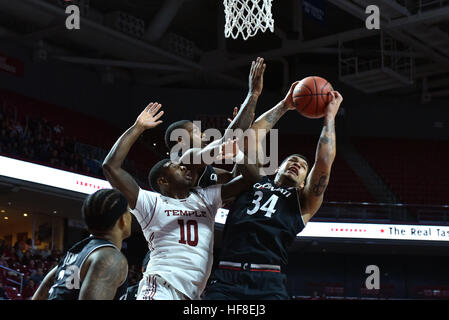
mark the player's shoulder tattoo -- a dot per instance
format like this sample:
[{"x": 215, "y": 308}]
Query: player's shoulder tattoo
[{"x": 109, "y": 270}]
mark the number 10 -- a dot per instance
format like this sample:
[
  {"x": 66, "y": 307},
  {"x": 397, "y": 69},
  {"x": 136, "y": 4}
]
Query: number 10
[{"x": 191, "y": 242}]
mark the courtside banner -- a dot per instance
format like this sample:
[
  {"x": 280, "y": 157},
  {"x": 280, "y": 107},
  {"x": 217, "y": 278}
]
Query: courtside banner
[
  {"x": 366, "y": 230},
  {"x": 43, "y": 175},
  {"x": 36, "y": 173}
]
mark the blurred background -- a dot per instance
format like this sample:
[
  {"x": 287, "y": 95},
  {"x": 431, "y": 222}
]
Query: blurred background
[{"x": 67, "y": 95}]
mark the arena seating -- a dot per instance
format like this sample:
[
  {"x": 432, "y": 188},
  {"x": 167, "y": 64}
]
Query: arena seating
[
  {"x": 414, "y": 169},
  {"x": 11, "y": 281},
  {"x": 62, "y": 129},
  {"x": 344, "y": 184}
]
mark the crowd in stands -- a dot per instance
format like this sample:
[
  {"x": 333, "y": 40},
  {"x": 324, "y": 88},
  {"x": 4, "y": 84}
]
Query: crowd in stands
[
  {"x": 37, "y": 139},
  {"x": 34, "y": 264}
]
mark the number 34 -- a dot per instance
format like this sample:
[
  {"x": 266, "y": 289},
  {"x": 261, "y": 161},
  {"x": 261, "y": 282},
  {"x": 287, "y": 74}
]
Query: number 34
[{"x": 268, "y": 206}]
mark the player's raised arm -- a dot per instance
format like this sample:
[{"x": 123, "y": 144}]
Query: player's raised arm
[
  {"x": 318, "y": 178},
  {"x": 245, "y": 115},
  {"x": 269, "y": 119},
  {"x": 249, "y": 172},
  {"x": 112, "y": 165}
]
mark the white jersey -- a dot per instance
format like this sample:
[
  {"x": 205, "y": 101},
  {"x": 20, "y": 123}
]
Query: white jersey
[{"x": 180, "y": 236}]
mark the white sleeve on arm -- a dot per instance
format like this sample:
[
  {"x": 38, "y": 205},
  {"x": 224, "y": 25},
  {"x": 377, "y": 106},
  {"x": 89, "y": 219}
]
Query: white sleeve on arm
[
  {"x": 212, "y": 196},
  {"x": 145, "y": 206}
]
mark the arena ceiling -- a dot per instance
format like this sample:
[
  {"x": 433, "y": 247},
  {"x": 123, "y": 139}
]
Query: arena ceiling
[{"x": 181, "y": 42}]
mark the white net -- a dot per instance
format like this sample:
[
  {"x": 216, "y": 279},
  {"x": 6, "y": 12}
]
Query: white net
[{"x": 246, "y": 17}]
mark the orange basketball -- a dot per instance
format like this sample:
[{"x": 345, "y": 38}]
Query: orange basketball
[{"x": 311, "y": 96}]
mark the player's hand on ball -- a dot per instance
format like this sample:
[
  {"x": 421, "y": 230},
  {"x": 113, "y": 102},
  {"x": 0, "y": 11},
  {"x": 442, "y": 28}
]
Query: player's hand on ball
[
  {"x": 149, "y": 118},
  {"x": 288, "y": 100},
  {"x": 334, "y": 104}
]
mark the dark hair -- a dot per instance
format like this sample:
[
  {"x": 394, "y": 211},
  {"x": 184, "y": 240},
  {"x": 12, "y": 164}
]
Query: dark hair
[
  {"x": 174, "y": 126},
  {"x": 155, "y": 173},
  {"x": 103, "y": 208}
]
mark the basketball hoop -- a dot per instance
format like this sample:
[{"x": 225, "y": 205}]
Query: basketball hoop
[{"x": 246, "y": 17}]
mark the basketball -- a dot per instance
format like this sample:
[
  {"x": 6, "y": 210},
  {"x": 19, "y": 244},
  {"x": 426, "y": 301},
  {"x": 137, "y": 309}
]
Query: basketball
[{"x": 311, "y": 96}]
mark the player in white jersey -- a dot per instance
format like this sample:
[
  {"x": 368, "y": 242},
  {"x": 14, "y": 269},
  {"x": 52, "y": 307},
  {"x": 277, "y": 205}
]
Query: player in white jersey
[{"x": 177, "y": 220}]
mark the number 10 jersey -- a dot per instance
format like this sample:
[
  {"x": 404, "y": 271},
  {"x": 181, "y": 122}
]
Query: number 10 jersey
[
  {"x": 180, "y": 236},
  {"x": 261, "y": 225}
]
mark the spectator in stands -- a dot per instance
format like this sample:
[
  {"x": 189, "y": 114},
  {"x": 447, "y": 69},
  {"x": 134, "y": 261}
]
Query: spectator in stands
[
  {"x": 39, "y": 140},
  {"x": 27, "y": 257},
  {"x": 29, "y": 289},
  {"x": 93, "y": 165},
  {"x": 18, "y": 247},
  {"x": 54, "y": 159},
  {"x": 3, "y": 295},
  {"x": 32, "y": 266},
  {"x": 38, "y": 276},
  {"x": 26, "y": 280},
  {"x": 45, "y": 253},
  {"x": 133, "y": 286}
]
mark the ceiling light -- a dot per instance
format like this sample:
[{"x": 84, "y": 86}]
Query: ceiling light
[
  {"x": 6, "y": 218},
  {"x": 2, "y": 211},
  {"x": 25, "y": 214}
]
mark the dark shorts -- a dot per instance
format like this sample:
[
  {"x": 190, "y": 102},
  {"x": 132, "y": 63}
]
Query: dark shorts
[{"x": 246, "y": 285}]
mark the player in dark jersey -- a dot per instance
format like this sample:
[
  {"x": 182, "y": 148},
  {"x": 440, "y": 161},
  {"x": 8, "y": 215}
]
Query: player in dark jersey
[
  {"x": 94, "y": 268},
  {"x": 205, "y": 175},
  {"x": 264, "y": 221}
]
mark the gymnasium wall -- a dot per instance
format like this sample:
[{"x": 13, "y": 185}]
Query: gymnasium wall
[{"x": 81, "y": 90}]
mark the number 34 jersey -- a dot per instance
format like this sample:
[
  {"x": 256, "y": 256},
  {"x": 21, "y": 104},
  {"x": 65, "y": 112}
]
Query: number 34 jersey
[
  {"x": 261, "y": 225},
  {"x": 179, "y": 233}
]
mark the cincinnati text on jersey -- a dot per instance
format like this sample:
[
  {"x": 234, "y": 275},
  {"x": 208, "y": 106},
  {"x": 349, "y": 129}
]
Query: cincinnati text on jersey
[
  {"x": 272, "y": 188},
  {"x": 185, "y": 213}
]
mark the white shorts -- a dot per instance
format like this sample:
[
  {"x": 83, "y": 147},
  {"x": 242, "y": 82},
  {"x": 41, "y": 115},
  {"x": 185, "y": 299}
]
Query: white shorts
[{"x": 154, "y": 287}]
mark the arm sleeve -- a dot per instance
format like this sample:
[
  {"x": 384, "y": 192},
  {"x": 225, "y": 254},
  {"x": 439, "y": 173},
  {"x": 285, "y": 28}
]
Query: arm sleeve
[{"x": 145, "y": 207}]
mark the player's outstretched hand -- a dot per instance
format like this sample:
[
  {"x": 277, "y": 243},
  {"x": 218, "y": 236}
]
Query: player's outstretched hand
[
  {"x": 149, "y": 118},
  {"x": 228, "y": 150},
  {"x": 256, "y": 76},
  {"x": 334, "y": 104},
  {"x": 288, "y": 100}
]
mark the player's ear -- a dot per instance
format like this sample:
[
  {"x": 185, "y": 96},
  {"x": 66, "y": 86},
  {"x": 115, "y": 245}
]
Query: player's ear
[
  {"x": 182, "y": 141},
  {"x": 121, "y": 222},
  {"x": 162, "y": 181}
]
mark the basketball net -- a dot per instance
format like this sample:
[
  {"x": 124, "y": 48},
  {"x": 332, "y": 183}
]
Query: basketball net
[{"x": 246, "y": 17}]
